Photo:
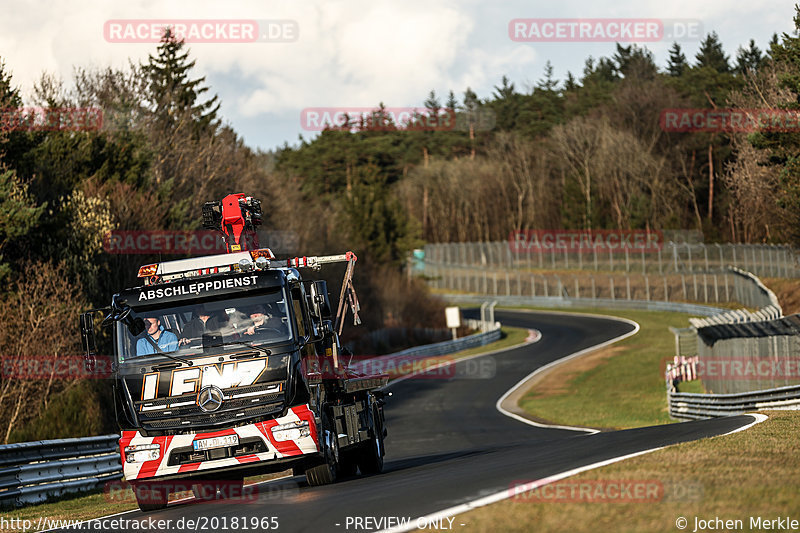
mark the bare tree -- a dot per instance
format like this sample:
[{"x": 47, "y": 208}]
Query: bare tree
[{"x": 38, "y": 325}]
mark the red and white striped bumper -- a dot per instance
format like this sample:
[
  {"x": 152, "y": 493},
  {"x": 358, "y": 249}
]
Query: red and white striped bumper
[{"x": 263, "y": 430}]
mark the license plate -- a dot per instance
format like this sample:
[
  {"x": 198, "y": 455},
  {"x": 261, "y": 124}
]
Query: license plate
[{"x": 215, "y": 442}]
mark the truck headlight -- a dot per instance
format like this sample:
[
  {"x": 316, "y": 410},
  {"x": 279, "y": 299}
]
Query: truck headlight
[
  {"x": 291, "y": 431},
  {"x": 139, "y": 453}
]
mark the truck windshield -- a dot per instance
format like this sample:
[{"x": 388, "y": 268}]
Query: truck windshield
[{"x": 208, "y": 327}]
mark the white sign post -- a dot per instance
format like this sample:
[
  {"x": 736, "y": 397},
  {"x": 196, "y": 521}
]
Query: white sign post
[{"x": 453, "y": 317}]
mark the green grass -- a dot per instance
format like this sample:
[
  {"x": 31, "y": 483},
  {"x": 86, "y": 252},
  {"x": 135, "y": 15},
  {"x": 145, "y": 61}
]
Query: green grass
[
  {"x": 623, "y": 391},
  {"x": 695, "y": 386}
]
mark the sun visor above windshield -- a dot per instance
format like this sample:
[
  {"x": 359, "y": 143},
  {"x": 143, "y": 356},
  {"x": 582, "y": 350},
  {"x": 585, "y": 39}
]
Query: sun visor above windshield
[{"x": 202, "y": 288}]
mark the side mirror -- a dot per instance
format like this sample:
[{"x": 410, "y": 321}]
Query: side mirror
[
  {"x": 135, "y": 325},
  {"x": 88, "y": 340},
  {"x": 320, "y": 299}
]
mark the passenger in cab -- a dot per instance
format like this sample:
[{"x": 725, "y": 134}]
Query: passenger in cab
[
  {"x": 156, "y": 336},
  {"x": 202, "y": 323}
]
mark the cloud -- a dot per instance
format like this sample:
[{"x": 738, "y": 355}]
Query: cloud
[{"x": 351, "y": 52}]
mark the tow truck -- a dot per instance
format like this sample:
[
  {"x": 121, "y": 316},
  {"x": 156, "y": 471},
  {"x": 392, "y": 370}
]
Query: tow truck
[{"x": 230, "y": 365}]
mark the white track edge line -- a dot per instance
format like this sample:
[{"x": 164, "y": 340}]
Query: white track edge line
[
  {"x": 505, "y": 494},
  {"x": 456, "y": 361},
  {"x": 509, "y": 392}
]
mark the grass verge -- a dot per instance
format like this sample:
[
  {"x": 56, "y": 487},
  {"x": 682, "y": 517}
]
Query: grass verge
[
  {"x": 748, "y": 474},
  {"x": 620, "y": 386}
]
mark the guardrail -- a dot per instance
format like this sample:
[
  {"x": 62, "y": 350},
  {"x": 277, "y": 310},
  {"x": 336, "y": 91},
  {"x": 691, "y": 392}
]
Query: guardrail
[
  {"x": 691, "y": 406},
  {"x": 33, "y": 472},
  {"x": 561, "y": 302},
  {"x": 446, "y": 347},
  {"x": 735, "y": 340}
]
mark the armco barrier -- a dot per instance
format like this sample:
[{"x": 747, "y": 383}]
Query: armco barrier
[
  {"x": 32, "y": 472},
  {"x": 446, "y": 347},
  {"x": 651, "y": 305},
  {"x": 690, "y": 406},
  {"x": 742, "y": 336}
]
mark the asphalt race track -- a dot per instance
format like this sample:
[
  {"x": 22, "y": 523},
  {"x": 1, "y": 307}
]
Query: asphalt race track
[{"x": 448, "y": 445}]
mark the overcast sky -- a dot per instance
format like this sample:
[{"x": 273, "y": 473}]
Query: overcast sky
[{"x": 354, "y": 53}]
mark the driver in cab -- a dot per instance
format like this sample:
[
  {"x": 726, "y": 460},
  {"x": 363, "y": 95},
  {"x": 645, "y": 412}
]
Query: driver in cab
[
  {"x": 156, "y": 335},
  {"x": 262, "y": 318}
]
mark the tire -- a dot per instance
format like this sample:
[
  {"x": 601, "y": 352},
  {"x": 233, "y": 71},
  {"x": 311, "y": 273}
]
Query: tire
[
  {"x": 151, "y": 497},
  {"x": 348, "y": 463},
  {"x": 370, "y": 457},
  {"x": 325, "y": 473}
]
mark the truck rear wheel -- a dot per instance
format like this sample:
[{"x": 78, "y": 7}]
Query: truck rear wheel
[
  {"x": 151, "y": 496},
  {"x": 348, "y": 462},
  {"x": 370, "y": 458}
]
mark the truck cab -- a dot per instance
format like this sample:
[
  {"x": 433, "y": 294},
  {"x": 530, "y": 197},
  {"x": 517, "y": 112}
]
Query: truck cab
[{"x": 227, "y": 366}]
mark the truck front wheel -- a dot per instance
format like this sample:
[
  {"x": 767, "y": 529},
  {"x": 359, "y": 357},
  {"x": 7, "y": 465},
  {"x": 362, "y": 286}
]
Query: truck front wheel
[
  {"x": 325, "y": 473},
  {"x": 151, "y": 496}
]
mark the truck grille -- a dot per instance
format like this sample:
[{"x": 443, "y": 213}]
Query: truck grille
[{"x": 241, "y": 403}]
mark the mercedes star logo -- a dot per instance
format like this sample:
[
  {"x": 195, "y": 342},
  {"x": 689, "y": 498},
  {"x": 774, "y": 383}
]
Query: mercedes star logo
[{"x": 210, "y": 398}]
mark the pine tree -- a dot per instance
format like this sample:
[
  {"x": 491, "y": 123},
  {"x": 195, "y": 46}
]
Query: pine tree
[
  {"x": 570, "y": 84},
  {"x": 547, "y": 83},
  {"x": 749, "y": 60},
  {"x": 773, "y": 42},
  {"x": 13, "y": 145},
  {"x": 172, "y": 90},
  {"x": 471, "y": 101},
  {"x": 432, "y": 104},
  {"x": 712, "y": 55},
  {"x": 505, "y": 91},
  {"x": 677, "y": 61},
  {"x": 452, "y": 103},
  {"x": 604, "y": 71},
  {"x": 634, "y": 62},
  {"x": 9, "y": 95}
]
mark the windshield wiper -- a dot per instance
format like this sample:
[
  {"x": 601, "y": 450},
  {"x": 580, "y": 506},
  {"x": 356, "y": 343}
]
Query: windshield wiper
[
  {"x": 181, "y": 361},
  {"x": 249, "y": 344},
  {"x": 159, "y": 351}
]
